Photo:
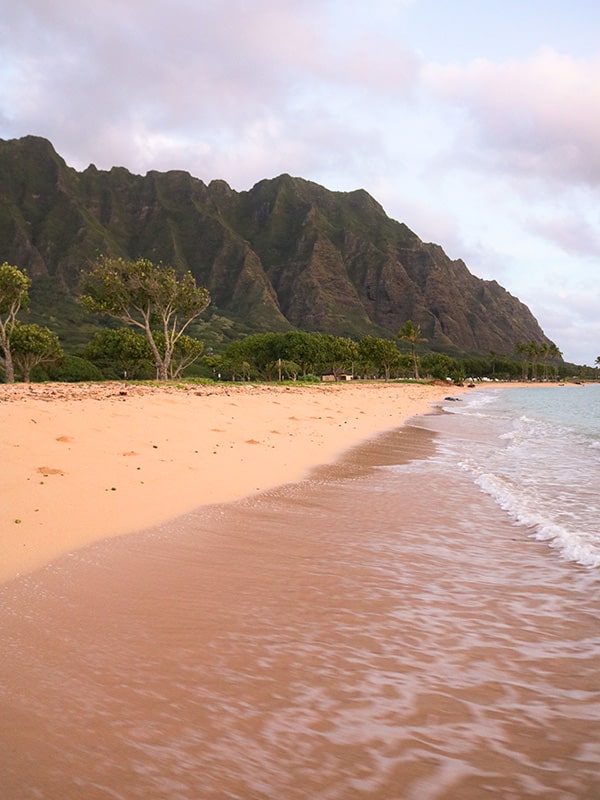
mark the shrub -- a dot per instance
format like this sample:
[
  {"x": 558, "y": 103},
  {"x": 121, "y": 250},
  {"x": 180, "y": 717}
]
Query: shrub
[{"x": 73, "y": 369}]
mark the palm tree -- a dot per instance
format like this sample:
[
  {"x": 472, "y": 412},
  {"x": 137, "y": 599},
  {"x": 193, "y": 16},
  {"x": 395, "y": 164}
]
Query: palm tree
[
  {"x": 534, "y": 350},
  {"x": 522, "y": 349},
  {"x": 555, "y": 355},
  {"x": 411, "y": 333},
  {"x": 544, "y": 352}
]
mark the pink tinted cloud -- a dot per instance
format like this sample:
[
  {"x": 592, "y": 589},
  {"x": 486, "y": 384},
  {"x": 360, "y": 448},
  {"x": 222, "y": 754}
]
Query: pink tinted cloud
[
  {"x": 540, "y": 116},
  {"x": 574, "y": 234},
  {"x": 174, "y": 63},
  {"x": 139, "y": 82}
]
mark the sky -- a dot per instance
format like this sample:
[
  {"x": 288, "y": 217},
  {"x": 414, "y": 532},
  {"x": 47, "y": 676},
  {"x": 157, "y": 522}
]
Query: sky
[{"x": 475, "y": 122}]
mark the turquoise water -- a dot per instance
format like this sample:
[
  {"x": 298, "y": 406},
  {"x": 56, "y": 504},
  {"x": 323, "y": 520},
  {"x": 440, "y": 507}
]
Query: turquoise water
[{"x": 536, "y": 451}]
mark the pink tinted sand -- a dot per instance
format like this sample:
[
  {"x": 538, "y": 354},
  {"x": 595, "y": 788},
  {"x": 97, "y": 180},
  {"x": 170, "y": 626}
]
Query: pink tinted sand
[{"x": 85, "y": 462}]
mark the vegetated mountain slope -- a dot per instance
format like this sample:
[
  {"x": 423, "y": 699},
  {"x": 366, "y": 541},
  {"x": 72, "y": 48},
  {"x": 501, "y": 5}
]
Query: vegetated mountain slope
[{"x": 288, "y": 253}]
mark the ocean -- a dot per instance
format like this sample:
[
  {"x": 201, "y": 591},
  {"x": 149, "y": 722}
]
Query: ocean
[
  {"x": 536, "y": 451},
  {"x": 418, "y": 621}
]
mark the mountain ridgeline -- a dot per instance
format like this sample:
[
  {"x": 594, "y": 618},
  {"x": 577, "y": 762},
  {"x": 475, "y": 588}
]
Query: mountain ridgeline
[{"x": 286, "y": 254}]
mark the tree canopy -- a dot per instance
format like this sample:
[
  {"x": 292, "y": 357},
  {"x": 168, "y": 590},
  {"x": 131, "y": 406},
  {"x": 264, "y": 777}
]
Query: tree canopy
[
  {"x": 411, "y": 333},
  {"x": 378, "y": 355},
  {"x": 33, "y": 345},
  {"x": 125, "y": 353},
  {"x": 148, "y": 296}
]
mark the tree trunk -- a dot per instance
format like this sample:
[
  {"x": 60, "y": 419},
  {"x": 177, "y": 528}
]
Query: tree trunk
[
  {"x": 159, "y": 362},
  {"x": 161, "y": 371},
  {"x": 416, "y": 366},
  {"x": 9, "y": 370}
]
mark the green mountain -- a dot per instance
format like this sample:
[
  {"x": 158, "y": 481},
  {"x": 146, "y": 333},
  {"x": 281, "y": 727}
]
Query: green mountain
[{"x": 286, "y": 254}]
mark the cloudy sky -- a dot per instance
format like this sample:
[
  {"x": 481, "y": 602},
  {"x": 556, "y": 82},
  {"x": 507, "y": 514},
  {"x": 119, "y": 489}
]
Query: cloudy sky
[{"x": 475, "y": 122}]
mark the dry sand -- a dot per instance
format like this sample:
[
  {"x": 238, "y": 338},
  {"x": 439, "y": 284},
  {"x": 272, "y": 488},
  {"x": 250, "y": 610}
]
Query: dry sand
[{"x": 85, "y": 462}]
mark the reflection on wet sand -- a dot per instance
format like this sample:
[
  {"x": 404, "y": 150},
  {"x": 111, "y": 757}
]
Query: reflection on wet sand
[{"x": 345, "y": 637}]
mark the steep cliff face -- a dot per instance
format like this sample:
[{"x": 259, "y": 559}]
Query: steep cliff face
[{"x": 287, "y": 253}]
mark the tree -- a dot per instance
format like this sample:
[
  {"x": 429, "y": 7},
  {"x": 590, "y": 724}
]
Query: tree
[
  {"x": 122, "y": 352},
  {"x": 379, "y": 355},
  {"x": 556, "y": 356},
  {"x": 411, "y": 333},
  {"x": 337, "y": 353},
  {"x": 522, "y": 349},
  {"x": 534, "y": 350},
  {"x": 287, "y": 370},
  {"x": 256, "y": 354},
  {"x": 187, "y": 350},
  {"x": 14, "y": 294},
  {"x": 302, "y": 348},
  {"x": 32, "y": 345},
  {"x": 144, "y": 294},
  {"x": 439, "y": 365}
]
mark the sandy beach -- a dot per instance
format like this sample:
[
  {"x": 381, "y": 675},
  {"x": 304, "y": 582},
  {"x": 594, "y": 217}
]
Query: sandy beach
[
  {"x": 363, "y": 621},
  {"x": 86, "y": 462}
]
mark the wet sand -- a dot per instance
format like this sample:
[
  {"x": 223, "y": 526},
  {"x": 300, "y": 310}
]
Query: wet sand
[
  {"x": 85, "y": 462},
  {"x": 372, "y": 632}
]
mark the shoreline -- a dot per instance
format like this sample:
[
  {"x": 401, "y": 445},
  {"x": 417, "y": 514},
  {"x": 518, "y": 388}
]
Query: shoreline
[{"x": 87, "y": 462}]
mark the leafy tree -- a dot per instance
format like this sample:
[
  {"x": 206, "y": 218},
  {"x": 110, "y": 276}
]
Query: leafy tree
[
  {"x": 478, "y": 367},
  {"x": 439, "y": 365},
  {"x": 230, "y": 366},
  {"x": 122, "y": 352},
  {"x": 406, "y": 367},
  {"x": 254, "y": 355},
  {"x": 128, "y": 354},
  {"x": 378, "y": 355},
  {"x": 14, "y": 294},
  {"x": 337, "y": 353},
  {"x": 187, "y": 350},
  {"x": 302, "y": 348},
  {"x": 411, "y": 333},
  {"x": 457, "y": 373},
  {"x": 32, "y": 345},
  {"x": 144, "y": 294},
  {"x": 287, "y": 369}
]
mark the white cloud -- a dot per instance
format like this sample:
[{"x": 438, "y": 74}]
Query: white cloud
[
  {"x": 539, "y": 117},
  {"x": 574, "y": 234}
]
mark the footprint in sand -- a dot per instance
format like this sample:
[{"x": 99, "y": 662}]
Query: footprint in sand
[{"x": 45, "y": 471}]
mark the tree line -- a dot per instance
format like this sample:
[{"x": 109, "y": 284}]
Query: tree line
[
  {"x": 145, "y": 296},
  {"x": 157, "y": 307}
]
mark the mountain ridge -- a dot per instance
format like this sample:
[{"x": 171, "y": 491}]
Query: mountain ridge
[{"x": 287, "y": 253}]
